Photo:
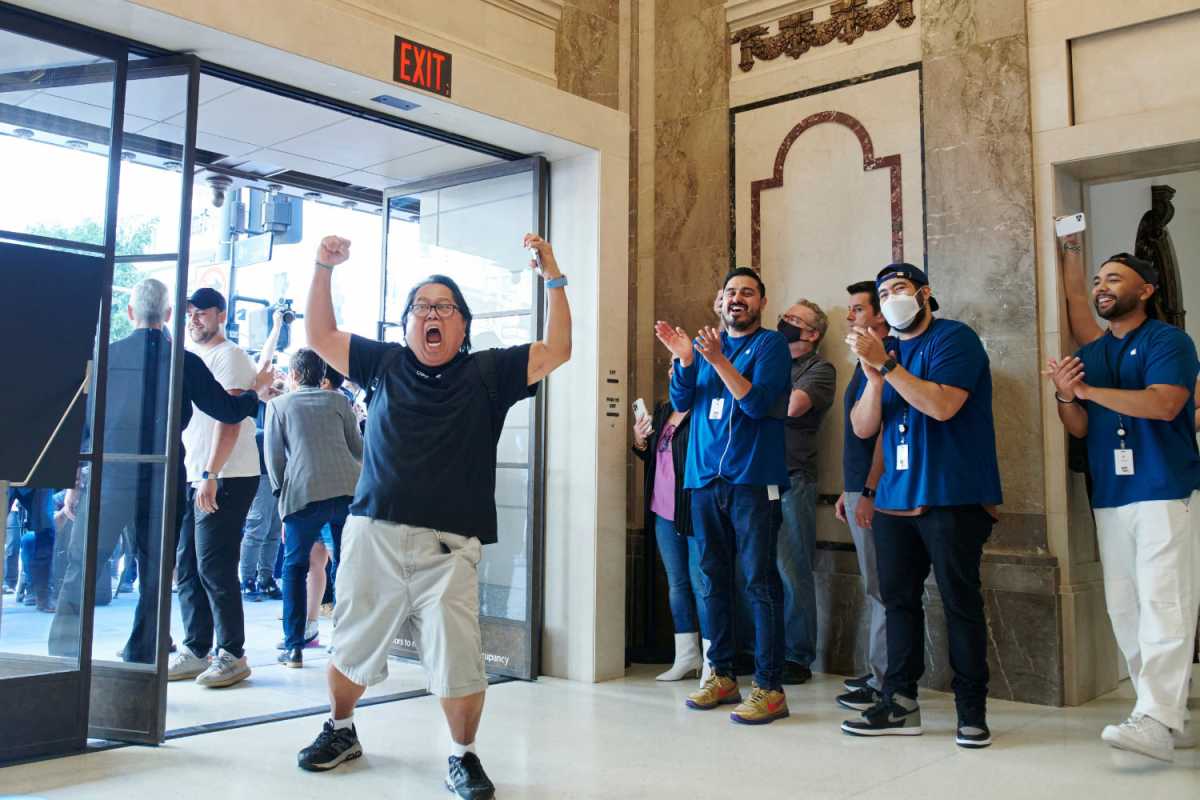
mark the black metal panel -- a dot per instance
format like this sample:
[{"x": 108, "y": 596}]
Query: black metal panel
[{"x": 38, "y": 722}]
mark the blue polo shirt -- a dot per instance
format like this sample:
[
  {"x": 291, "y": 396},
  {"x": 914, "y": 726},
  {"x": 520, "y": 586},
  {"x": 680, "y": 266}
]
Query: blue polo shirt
[
  {"x": 950, "y": 463},
  {"x": 1165, "y": 462},
  {"x": 741, "y": 441}
]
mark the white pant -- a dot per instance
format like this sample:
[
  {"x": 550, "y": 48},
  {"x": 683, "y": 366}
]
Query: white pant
[{"x": 1151, "y": 557}]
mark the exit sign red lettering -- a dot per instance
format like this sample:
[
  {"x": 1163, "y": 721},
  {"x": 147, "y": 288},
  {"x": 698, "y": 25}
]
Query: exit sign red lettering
[{"x": 421, "y": 66}]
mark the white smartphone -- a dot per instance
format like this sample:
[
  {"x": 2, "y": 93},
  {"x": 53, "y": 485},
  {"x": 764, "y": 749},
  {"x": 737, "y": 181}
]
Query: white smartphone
[
  {"x": 639, "y": 409},
  {"x": 1073, "y": 223}
]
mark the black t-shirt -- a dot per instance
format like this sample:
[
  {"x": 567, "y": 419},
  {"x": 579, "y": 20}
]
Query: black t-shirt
[{"x": 429, "y": 451}]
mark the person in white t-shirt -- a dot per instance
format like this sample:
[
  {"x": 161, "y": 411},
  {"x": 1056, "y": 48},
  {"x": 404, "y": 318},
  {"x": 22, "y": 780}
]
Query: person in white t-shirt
[{"x": 223, "y": 475}]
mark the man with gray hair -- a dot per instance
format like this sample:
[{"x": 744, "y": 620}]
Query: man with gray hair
[
  {"x": 814, "y": 383},
  {"x": 138, "y": 380}
]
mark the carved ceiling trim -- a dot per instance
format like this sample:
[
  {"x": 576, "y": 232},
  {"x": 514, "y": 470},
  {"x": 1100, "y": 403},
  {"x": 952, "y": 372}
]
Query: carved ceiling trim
[
  {"x": 870, "y": 162},
  {"x": 849, "y": 20}
]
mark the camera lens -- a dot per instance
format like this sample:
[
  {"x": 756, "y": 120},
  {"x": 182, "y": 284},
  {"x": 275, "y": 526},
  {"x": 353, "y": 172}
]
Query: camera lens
[{"x": 289, "y": 317}]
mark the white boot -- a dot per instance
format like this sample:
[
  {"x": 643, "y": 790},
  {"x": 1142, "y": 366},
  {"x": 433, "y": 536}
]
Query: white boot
[
  {"x": 706, "y": 670},
  {"x": 687, "y": 659}
]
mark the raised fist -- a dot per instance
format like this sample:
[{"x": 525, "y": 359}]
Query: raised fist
[{"x": 333, "y": 250}]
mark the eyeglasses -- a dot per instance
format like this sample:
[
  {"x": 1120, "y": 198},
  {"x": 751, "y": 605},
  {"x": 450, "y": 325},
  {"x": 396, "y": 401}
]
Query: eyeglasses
[
  {"x": 443, "y": 310},
  {"x": 792, "y": 319}
]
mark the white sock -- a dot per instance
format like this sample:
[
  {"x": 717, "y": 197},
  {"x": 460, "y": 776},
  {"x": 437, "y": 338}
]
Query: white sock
[
  {"x": 461, "y": 750},
  {"x": 342, "y": 724}
]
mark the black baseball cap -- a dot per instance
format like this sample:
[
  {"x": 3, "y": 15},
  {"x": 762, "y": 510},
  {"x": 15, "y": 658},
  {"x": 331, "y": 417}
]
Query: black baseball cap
[
  {"x": 909, "y": 273},
  {"x": 207, "y": 298},
  {"x": 1141, "y": 266}
]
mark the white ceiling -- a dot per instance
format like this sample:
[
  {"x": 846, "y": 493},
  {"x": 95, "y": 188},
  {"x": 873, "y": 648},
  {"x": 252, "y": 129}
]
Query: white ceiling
[{"x": 255, "y": 130}]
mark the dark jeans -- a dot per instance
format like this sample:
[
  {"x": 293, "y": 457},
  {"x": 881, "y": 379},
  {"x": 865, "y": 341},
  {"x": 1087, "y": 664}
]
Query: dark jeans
[
  {"x": 12, "y": 548},
  {"x": 206, "y": 569},
  {"x": 37, "y": 538},
  {"x": 739, "y": 523},
  {"x": 135, "y": 517},
  {"x": 950, "y": 540},
  {"x": 333, "y": 543},
  {"x": 797, "y": 548},
  {"x": 301, "y": 531}
]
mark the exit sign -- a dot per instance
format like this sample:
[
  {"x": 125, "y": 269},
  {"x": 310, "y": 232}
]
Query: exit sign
[{"x": 421, "y": 66}]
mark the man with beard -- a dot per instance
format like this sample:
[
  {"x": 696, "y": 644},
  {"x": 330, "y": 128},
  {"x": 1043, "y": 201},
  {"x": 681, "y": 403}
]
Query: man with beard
[
  {"x": 223, "y": 476},
  {"x": 736, "y": 465},
  {"x": 931, "y": 403},
  {"x": 425, "y": 502},
  {"x": 1129, "y": 392},
  {"x": 813, "y": 385}
]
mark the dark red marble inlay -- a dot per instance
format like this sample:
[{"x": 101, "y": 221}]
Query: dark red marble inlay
[{"x": 870, "y": 162}]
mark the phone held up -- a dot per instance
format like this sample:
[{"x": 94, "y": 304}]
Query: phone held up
[{"x": 1072, "y": 223}]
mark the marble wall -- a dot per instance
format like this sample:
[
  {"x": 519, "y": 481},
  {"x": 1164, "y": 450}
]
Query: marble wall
[{"x": 587, "y": 50}]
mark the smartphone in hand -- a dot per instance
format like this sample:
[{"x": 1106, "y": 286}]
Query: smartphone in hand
[
  {"x": 1072, "y": 223},
  {"x": 639, "y": 409}
]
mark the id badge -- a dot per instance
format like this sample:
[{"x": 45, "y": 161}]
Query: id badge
[
  {"x": 1123, "y": 461},
  {"x": 901, "y": 457},
  {"x": 772, "y": 492},
  {"x": 717, "y": 409}
]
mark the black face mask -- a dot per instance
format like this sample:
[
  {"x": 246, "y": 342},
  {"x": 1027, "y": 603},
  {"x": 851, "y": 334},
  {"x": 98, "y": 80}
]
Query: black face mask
[{"x": 789, "y": 331}]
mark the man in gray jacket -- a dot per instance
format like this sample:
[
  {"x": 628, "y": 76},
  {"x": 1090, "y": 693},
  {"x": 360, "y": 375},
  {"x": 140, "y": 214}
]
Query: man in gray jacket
[{"x": 314, "y": 452}]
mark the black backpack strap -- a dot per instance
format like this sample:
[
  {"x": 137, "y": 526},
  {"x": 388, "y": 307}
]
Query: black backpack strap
[{"x": 486, "y": 361}]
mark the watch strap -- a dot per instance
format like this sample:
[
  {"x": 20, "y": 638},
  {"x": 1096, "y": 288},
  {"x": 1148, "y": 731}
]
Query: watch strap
[
  {"x": 868, "y": 492},
  {"x": 888, "y": 366},
  {"x": 557, "y": 283}
]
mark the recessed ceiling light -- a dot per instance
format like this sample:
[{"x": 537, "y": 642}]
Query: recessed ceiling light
[
  {"x": 395, "y": 102},
  {"x": 312, "y": 195},
  {"x": 128, "y": 155},
  {"x": 76, "y": 144},
  {"x": 349, "y": 203},
  {"x": 175, "y": 165},
  {"x": 23, "y": 133}
]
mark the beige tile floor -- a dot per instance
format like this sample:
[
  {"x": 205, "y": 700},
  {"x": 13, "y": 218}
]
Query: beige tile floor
[{"x": 633, "y": 738}]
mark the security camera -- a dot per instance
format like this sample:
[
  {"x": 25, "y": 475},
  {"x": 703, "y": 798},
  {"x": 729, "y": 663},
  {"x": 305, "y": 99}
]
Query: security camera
[{"x": 220, "y": 184}]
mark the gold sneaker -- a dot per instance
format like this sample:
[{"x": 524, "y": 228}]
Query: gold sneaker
[
  {"x": 718, "y": 690},
  {"x": 763, "y": 706}
]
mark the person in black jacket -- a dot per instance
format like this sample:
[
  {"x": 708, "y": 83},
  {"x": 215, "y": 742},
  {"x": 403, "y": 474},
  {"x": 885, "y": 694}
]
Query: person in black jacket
[
  {"x": 662, "y": 443},
  {"x": 138, "y": 381}
]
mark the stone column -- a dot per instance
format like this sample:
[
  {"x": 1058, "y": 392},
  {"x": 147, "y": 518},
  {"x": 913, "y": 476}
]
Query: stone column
[{"x": 979, "y": 174}]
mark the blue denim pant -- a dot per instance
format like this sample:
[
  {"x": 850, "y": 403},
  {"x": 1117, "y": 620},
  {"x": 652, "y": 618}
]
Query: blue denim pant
[
  {"x": 681, "y": 558},
  {"x": 12, "y": 549},
  {"x": 797, "y": 543},
  {"x": 301, "y": 531},
  {"x": 740, "y": 523}
]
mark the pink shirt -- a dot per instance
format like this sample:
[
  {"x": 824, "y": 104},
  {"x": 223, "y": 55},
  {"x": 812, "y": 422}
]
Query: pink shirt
[{"x": 663, "y": 501}]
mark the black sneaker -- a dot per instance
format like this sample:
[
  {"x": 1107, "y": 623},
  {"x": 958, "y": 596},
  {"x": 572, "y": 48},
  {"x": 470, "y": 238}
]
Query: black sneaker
[
  {"x": 886, "y": 718},
  {"x": 293, "y": 658},
  {"x": 250, "y": 591},
  {"x": 794, "y": 674},
  {"x": 330, "y": 748},
  {"x": 973, "y": 735},
  {"x": 859, "y": 699},
  {"x": 270, "y": 588},
  {"x": 467, "y": 779},
  {"x": 861, "y": 682}
]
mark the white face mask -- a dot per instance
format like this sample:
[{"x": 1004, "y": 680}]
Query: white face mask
[{"x": 900, "y": 310}]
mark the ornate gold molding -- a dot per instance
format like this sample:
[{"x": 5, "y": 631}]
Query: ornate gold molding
[{"x": 849, "y": 20}]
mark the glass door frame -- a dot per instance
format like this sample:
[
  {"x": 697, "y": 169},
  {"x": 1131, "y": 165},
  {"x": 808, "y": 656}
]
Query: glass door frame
[{"x": 524, "y": 636}]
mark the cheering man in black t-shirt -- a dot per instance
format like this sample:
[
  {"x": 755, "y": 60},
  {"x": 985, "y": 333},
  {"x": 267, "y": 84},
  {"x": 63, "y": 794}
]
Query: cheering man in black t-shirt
[{"x": 425, "y": 502}]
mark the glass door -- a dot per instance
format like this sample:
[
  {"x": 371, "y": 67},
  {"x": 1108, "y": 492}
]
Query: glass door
[
  {"x": 57, "y": 220},
  {"x": 468, "y": 225}
]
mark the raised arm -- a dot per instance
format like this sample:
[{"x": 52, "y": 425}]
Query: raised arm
[
  {"x": 268, "y": 351},
  {"x": 1083, "y": 326},
  {"x": 320, "y": 324},
  {"x": 555, "y": 349}
]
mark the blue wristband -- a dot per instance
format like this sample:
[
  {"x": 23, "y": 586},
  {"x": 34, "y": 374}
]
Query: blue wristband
[{"x": 557, "y": 283}]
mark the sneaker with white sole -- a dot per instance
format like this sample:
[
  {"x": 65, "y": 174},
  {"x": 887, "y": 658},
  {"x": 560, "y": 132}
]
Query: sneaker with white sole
[
  {"x": 900, "y": 716},
  {"x": 1141, "y": 734},
  {"x": 972, "y": 735},
  {"x": 225, "y": 670},
  {"x": 185, "y": 664},
  {"x": 312, "y": 636}
]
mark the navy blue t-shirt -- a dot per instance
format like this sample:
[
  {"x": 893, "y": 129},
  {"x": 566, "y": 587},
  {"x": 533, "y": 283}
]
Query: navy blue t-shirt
[
  {"x": 856, "y": 453},
  {"x": 950, "y": 463},
  {"x": 1165, "y": 462}
]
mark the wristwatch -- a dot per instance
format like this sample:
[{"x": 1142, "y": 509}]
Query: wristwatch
[
  {"x": 888, "y": 366},
  {"x": 207, "y": 476},
  {"x": 868, "y": 492},
  {"x": 557, "y": 283}
]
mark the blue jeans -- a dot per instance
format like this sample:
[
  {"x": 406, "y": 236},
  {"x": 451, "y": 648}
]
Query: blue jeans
[
  {"x": 12, "y": 549},
  {"x": 797, "y": 541},
  {"x": 681, "y": 558},
  {"x": 740, "y": 523},
  {"x": 301, "y": 531},
  {"x": 260, "y": 544}
]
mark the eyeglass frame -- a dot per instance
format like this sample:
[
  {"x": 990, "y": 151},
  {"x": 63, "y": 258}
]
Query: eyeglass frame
[{"x": 434, "y": 308}]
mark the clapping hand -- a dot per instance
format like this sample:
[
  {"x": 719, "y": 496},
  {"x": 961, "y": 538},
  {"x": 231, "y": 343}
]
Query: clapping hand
[
  {"x": 676, "y": 340},
  {"x": 1067, "y": 376},
  {"x": 708, "y": 345}
]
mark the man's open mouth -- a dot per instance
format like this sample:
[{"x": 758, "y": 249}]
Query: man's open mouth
[
  {"x": 736, "y": 308},
  {"x": 433, "y": 335}
]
